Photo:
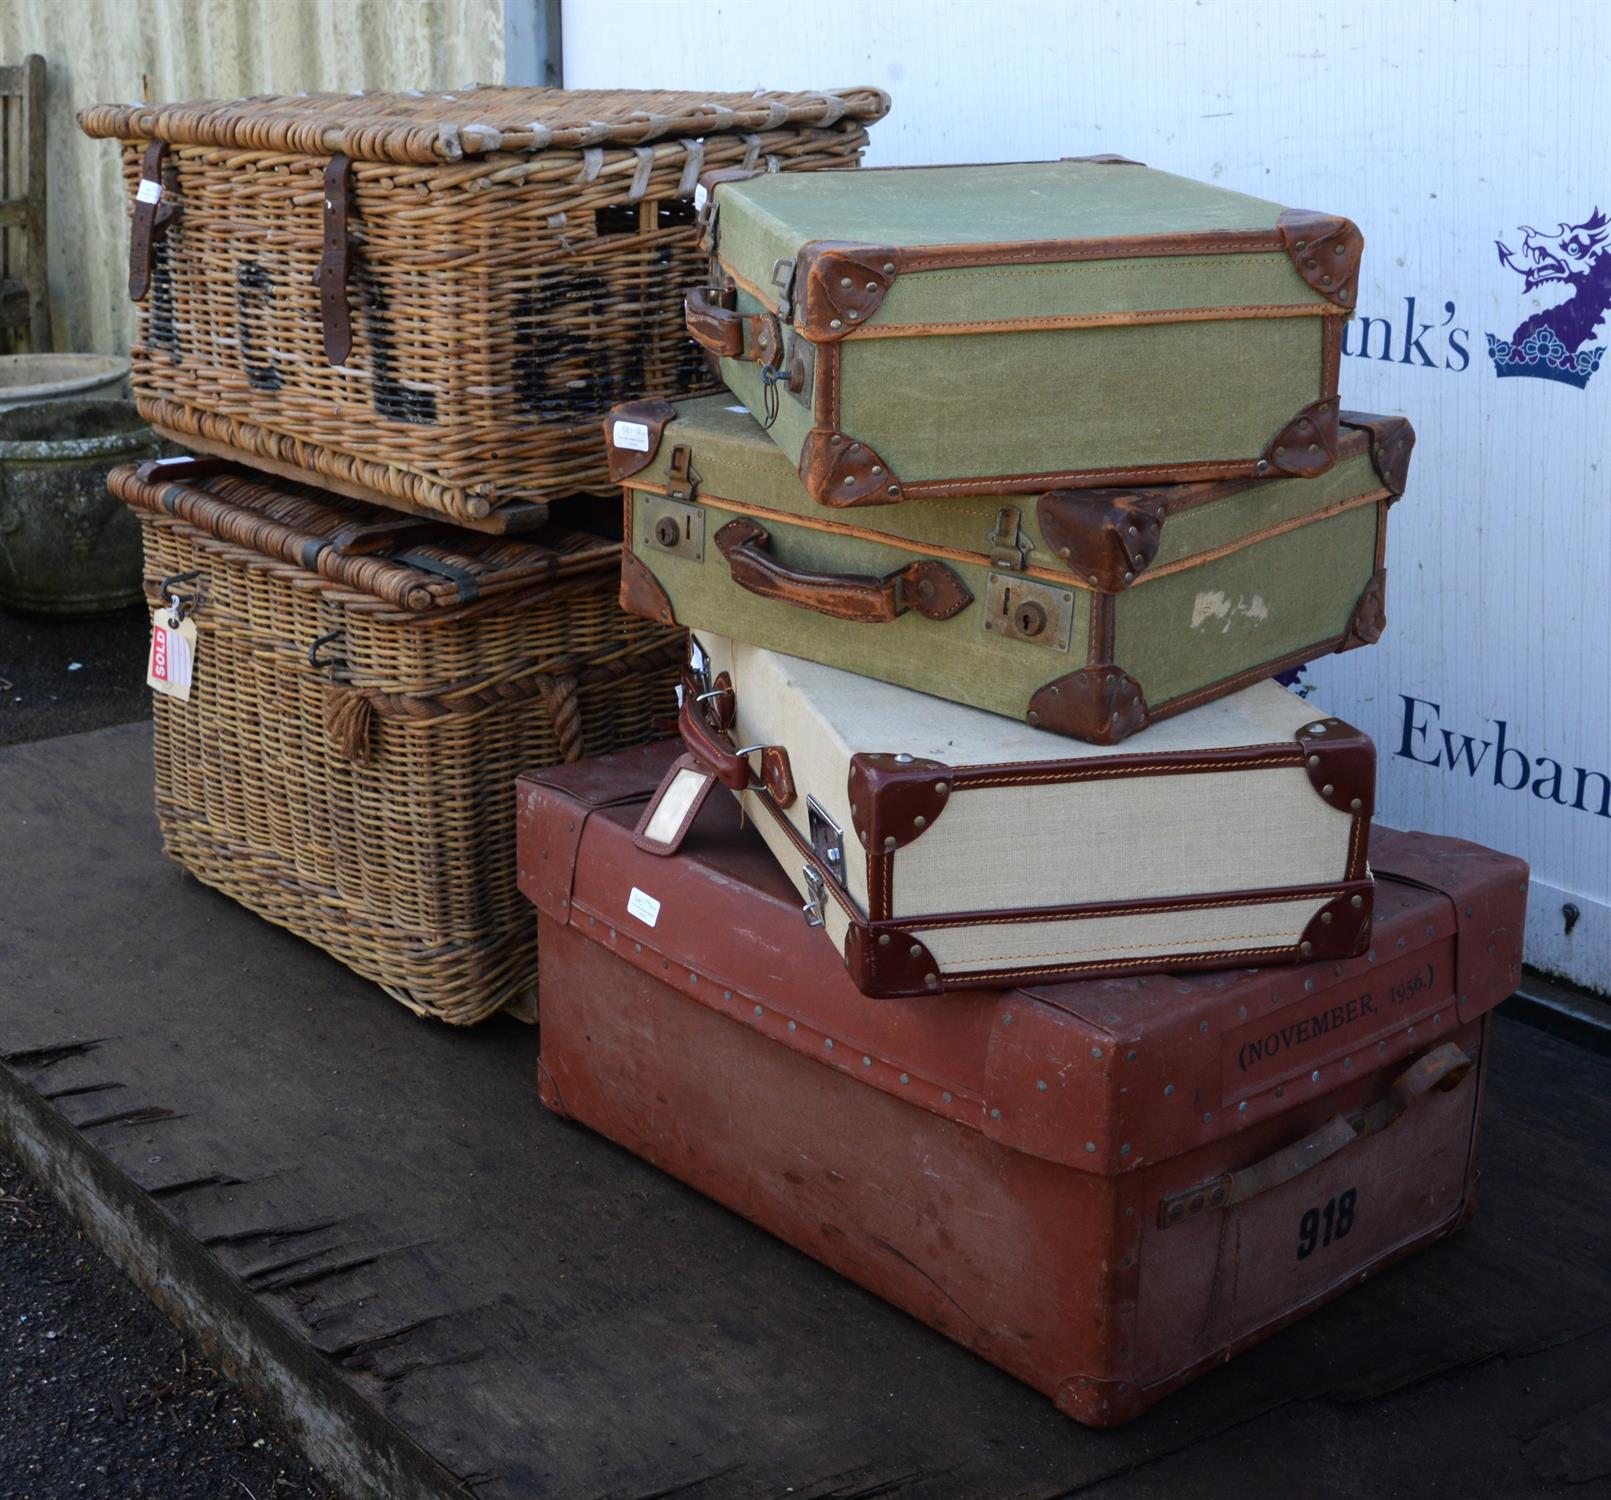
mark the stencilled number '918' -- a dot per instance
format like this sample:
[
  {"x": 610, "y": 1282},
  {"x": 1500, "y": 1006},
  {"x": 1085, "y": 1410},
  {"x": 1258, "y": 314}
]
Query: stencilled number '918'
[{"x": 1320, "y": 1226}]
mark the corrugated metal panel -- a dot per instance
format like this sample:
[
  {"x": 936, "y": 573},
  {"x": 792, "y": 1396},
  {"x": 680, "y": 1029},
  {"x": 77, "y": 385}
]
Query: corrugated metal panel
[
  {"x": 1440, "y": 129},
  {"x": 100, "y": 50}
]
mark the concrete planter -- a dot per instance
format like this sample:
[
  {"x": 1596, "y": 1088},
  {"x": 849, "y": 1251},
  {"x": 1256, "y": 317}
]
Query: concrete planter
[
  {"x": 66, "y": 546},
  {"x": 27, "y": 379}
]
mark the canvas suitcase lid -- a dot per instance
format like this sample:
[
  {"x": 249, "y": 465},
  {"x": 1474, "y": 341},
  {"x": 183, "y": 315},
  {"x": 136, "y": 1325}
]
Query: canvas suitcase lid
[
  {"x": 949, "y": 217},
  {"x": 414, "y": 126},
  {"x": 414, "y": 564},
  {"x": 711, "y": 450},
  {"x": 1105, "y": 1075}
]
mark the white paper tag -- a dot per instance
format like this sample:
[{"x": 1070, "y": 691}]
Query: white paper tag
[
  {"x": 634, "y": 435},
  {"x": 172, "y": 662},
  {"x": 701, "y": 195},
  {"x": 644, "y": 907},
  {"x": 149, "y": 192}
]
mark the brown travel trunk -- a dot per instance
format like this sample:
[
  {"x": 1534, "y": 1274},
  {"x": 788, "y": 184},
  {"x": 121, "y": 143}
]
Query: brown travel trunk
[{"x": 1103, "y": 1187}]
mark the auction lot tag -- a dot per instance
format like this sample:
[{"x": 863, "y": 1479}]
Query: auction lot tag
[
  {"x": 634, "y": 435},
  {"x": 173, "y": 654},
  {"x": 149, "y": 192}
]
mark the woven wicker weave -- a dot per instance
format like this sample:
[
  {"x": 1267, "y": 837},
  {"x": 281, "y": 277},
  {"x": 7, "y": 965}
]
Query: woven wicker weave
[
  {"x": 366, "y": 803},
  {"x": 518, "y": 262}
]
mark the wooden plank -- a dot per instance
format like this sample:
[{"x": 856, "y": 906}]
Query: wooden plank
[
  {"x": 36, "y": 262},
  {"x": 538, "y": 1312}
]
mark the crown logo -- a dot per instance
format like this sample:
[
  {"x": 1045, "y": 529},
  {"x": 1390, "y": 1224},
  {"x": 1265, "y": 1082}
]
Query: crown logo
[{"x": 1542, "y": 355}]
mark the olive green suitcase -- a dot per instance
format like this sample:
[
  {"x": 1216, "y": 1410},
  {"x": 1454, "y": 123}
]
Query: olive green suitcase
[
  {"x": 1087, "y": 612},
  {"x": 910, "y": 333}
]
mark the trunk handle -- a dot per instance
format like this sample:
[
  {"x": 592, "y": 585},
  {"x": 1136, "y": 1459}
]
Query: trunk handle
[
  {"x": 715, "y": 753},
  {"x": 1443, "y": 1068},
  {"x": 930, "y": 588},
  {"x": 715, "y": 324}
]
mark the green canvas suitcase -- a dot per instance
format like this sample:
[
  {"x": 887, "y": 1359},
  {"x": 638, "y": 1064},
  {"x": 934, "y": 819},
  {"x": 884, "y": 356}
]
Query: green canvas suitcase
[
  {"x": 1088, "y": 612},
  {"x": 911, "y": 333}
]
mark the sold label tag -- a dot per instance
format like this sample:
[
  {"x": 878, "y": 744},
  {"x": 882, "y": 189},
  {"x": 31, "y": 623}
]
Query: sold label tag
[
  {"x": 644, "y": 907},
  {"x": 634, "y": 435},
  {"x": 150, "y": 192},
  {"x": 172, "y": 663}
]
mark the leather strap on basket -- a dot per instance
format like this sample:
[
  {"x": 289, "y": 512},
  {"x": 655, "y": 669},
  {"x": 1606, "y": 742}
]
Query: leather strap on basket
[
  {"x": 152, "y": 220},
  {"x": 335, "y": 262}
]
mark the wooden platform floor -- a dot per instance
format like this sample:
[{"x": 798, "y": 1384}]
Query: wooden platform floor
[{"x": 449, "y": 1292}]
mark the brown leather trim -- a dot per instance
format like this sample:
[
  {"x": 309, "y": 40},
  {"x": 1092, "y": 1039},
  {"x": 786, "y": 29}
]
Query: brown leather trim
[
  {"x": 1137, "y": 319},
  {"x": 654, "y": 414},
  {"x": 708, "y": 314},
  {"x": 887, "y": 961},
  {"x": 674, "y": 843},
  {"x": 1036, "y": 252},
  {"x": 839, "y": 470},
  {"x": 1101, "y": 621},
  {"x": 777, "y": 776},
  {"x": 929, "y": 588},
  {"x": 1259, "y": 673},
  {"x": 838, "y": 286},
  {"x": 641, "y": 593},
  {"x": 1340, "y": 929},
  {"x": 1341, "y": 765},
  {"x": 1325, "y": 251},
  {"x": 1307, "y": 446},
  {"x": 1143, "y": 906},
  {"x": 1106, "y": 536},
  {"x": 1022, "y": 484},
  {"x": 1369, "y": 619},
  {"x": 825, "y": 397},
  {"x": 894, "y": 800},
  {"x": 1331, "y": 339},
  {"x": 1392, "y": 440},
  {"x": 1107, "y": 767},
  {"x": 1102, "y": 705}
]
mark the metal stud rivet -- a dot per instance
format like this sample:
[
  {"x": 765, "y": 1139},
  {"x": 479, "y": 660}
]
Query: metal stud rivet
[
  {"x": 844, "y": 281},
  {"x": 883, "y": 940},
  {"x": 1169, "y": 1088},
  {"x": 1006, "y": 1020},
  {"x": 827, "y": 1044},
  {"x": 889, "y": 842},
  {"x": 917, "y": 952},
  {"x": 945, "y": 1098},
  {"x": 1033, "y": 717},
  {"x": 1315, "y": 1076},
  {"x": 1325, "y": 918},
  {"x": 1327, "y": 789},
  {"x": 637, "y": 947},
  {"x": 1356, "y": 902},
  {"x": 1130, "y": 1056},
  {"x": 995, "y": 1114},
  {"x": 1348, "y": 1064},
  {"x": 1305, "y": 947},
  {"x": 835, "y": 323},
  {"x": 1208, "y": 1117},
  {"x": 1202, "y": 1025},
  {"x": 1314, "y": 761},
  {"x": 920, "y": 821},
  {"x": 1090, "y": 1145},
  {"x": 1096, "y": 1052},
  {"x": 931, "y": 981},
  {"x": 940, "y": 788},
  {"x": 1124, "y": 1150},
  {"x": 1355, "y": 805},
  {"x": 906, "y": 1077},
  {"x": 894, "y": 489},
  {"x": 1241, "y": 1108},
  {"x": 728, "y": 995},
  {"x": 878, "y": 469},
  {"x": 853, "y": 313},
  {"x": 889, "y": 268},
  {"x": 794, "y": 1026},
  {"x": 1040, "y": 1085},
  {"x": 866, "y": 1061}
]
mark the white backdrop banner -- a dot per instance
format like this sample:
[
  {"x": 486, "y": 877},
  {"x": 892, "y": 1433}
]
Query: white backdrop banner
[{"x": 1468, "y": 142}]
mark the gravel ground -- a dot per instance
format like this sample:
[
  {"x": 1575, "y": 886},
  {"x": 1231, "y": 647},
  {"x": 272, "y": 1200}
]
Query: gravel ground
[
  {"x": 100, "y": 1396},
  {"x": 63, "y": 676}
]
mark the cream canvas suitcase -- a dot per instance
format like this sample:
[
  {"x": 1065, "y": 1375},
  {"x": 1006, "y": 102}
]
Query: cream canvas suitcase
[{"x": 940, "y": 846}]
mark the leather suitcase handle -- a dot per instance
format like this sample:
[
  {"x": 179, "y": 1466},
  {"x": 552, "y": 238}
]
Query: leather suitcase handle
[
  {"x": 714, "y": 327},
  {"x": 712, "y": 749},
  {"x": 930, "y": 588},
  {"x": 1443, "y": 1068}
]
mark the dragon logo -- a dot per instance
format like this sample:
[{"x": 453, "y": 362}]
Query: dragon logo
[{"x": 1554, "y": 344}]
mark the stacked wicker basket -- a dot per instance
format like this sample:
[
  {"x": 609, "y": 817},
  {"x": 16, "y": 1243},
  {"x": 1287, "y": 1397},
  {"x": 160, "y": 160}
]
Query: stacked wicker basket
[{"x": 421, "y": 304}]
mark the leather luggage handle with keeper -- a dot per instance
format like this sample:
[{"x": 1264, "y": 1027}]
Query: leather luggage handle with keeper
[
  {"x": 714, "y": 324},
  {"x": 715, "y": 753},
  {"x": 1443, "y": 1068},
  {"x": 930, "y": 588}
]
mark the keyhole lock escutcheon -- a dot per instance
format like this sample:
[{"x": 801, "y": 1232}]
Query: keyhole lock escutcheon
[
  {"x": 1029, "y": 617},
  {"x": 673, "y": 526},
  {"x": 1024, "y": 609}
]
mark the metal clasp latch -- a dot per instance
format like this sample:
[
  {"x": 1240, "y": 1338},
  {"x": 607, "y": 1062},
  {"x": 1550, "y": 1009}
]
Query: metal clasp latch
[
  {"x": 1008, "y": 546},
  {"x": 827, "y": 840},
  {"x": 783, "y": 279},
  {"x": 816, "y": 893}
]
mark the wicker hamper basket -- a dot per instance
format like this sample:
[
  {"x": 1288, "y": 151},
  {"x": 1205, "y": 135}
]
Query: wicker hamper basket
[
  {"x": 366, "y": 688},
  {"x": 430, "y": 300}
]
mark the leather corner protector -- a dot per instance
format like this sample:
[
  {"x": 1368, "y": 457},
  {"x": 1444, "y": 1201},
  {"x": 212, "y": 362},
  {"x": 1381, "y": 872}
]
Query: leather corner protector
[
  {"x": 1101, "y": 705},
  {"x": 839, "y": 471},
  {"x": 641, "y": 593},
  {"x": 1325, "y": 250},
  {"x": 888, "y": 964},
  {"x": 1341, "y": 765},
  {"x": 1392, "y": 440},
  {"x": 1107, "y": 537},
  {"x": 1369, "y": 619},
  {"x": 893, "y": 799},
  {"x": 651, "y": 413},
  {"x": 1340, "y": 929},
  {"x": 839, "y": 286},
  {"x": 1095, "y": 1402},
  {"x": 777, "y": 775},
  {"x": 1307, "y": 445}
]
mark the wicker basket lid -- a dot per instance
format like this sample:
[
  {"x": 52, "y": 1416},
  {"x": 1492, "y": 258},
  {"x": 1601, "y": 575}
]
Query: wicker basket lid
[
  {"x": 474, "y": 121},
  {"x": 361, "y": 551}
]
